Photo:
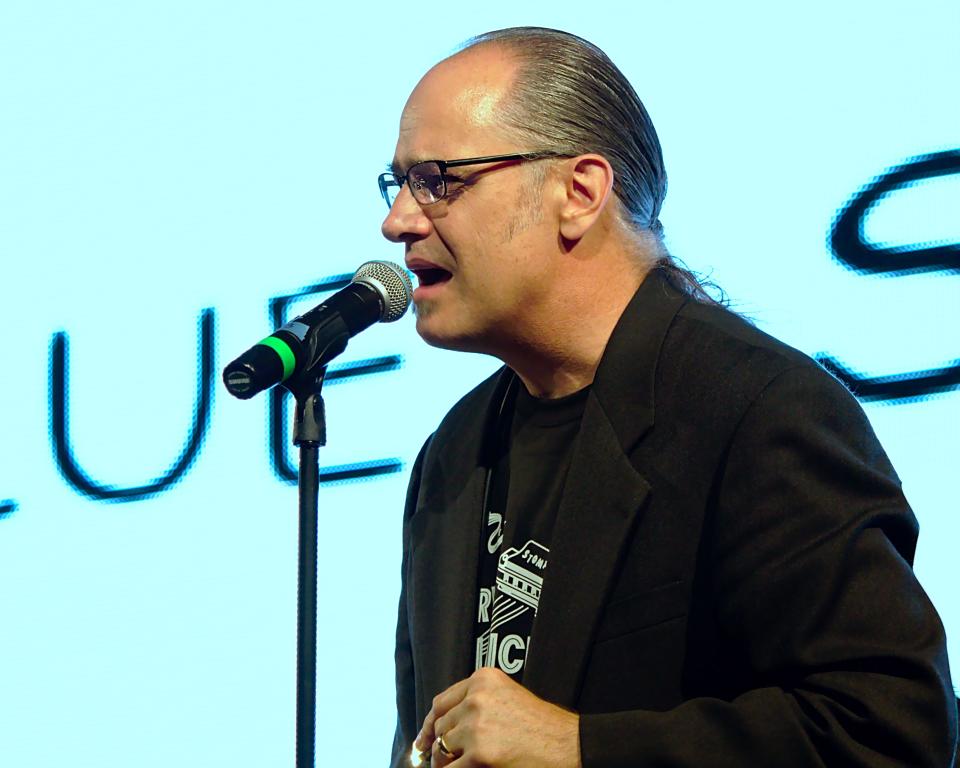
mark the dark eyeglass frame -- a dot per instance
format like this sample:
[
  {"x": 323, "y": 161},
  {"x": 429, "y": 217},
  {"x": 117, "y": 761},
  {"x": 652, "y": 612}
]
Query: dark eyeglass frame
[{"x": 421, "y": 194}]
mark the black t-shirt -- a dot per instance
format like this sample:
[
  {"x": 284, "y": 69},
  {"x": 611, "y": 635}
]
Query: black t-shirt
[{"x": 526, "y": 482}]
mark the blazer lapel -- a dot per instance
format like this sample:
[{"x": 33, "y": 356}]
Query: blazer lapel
[
  {"x": 601, "y": 498},
  {"x": 446, "y": 529},
  {"x": 602, "y": 495},
  {"x": 445, "y": 580}
]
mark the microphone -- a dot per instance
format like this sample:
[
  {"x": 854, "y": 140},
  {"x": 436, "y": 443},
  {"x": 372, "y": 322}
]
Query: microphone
[{"x": 379, "y": 291}]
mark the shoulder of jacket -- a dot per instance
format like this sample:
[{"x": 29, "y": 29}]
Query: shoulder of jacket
[
  {"x": 717, "y": 364},
  {"x": 719, "y": 340}
]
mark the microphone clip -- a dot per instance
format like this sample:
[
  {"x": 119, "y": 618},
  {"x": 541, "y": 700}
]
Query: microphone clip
[{"x": 310, "y": 420}]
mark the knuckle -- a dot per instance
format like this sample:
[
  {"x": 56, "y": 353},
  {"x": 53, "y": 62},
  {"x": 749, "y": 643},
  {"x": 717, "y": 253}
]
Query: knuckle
[
  {"x": 477, "y": 702},
  {"x": 484, "y": 676}
]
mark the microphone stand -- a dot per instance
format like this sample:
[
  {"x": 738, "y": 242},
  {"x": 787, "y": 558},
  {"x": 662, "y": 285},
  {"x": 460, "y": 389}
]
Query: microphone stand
[
  {"x": 378, "y": 291},
  {"x": 309, "y": 433}
]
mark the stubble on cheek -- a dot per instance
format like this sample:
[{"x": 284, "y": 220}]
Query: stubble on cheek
[
  {"x": 527, "y": 208},
  {"x": 523, "y": 218}
]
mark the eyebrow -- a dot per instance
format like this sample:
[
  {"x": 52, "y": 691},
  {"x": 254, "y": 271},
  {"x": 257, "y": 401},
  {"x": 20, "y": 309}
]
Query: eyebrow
[{"x": 394, "y": 165}]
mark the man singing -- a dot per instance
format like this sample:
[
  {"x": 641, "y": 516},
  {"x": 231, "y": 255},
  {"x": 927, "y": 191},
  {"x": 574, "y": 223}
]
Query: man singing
[{"x": 657, "y": 536}]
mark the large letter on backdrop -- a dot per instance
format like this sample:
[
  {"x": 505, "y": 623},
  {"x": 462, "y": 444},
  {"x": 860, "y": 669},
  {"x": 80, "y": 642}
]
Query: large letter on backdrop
[
  {"x": 854, "y": 252},
  {"x": 67, "y": 463}
]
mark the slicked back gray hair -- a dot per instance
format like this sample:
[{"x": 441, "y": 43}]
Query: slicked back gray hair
[{"x": 569, "y": 97}]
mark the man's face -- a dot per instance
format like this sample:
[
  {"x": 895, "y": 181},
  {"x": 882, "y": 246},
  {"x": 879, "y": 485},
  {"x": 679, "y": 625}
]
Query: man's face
[{"x": 481, "y": 254}]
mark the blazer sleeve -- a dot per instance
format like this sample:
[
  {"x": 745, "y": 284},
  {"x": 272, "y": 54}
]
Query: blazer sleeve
[
  {"x": 810, "y": 570},
  {"x": 407, "y": 726}
]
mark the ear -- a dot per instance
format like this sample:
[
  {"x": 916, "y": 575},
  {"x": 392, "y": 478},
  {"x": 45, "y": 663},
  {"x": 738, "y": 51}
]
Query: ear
[{"x": 588, "y": 181}]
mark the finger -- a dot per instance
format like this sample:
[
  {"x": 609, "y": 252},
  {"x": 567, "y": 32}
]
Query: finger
[
  {"x": 444, "y": 749},
  {"x": 461, "y": 761},
  {"x": 448, "y": 699},
  {"x": 442, "y": 703},
  {"x": 426, "y": 736},
  {"x": 447, "y": 725},
  {"x": 417, "y": 758}
]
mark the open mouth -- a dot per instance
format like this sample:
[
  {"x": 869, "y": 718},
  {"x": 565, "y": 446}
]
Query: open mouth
[{"x": 432, "y": 276}]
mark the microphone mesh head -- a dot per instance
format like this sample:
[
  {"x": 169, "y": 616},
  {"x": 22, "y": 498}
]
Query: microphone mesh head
[{"x": 393, "y": 284}]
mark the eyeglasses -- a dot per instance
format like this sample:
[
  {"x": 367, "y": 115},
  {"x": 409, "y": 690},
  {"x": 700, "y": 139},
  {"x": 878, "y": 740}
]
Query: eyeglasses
[{"x": 428, "y": 180}]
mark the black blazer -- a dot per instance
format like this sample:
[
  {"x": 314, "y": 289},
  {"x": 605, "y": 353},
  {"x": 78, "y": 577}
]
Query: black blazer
[{"x": 730, "y": 576}]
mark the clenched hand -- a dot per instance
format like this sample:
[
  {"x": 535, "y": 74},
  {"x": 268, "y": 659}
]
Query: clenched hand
[{"x": 490, "y": 721}]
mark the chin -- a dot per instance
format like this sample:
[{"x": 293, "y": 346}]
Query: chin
[
  {"x": 437, "y": 338},
  {"x": 433, "y": 332}
]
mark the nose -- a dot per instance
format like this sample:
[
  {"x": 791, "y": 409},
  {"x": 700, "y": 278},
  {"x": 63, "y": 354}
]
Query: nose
[{"x": 406, "y": 220}]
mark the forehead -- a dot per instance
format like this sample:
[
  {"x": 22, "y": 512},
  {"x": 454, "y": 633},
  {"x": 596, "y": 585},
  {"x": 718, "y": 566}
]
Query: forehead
[{"x": 453, "y": 111}]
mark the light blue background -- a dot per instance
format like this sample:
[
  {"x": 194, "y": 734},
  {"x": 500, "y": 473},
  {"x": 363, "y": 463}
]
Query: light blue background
[{"x": 159, "y": 158}]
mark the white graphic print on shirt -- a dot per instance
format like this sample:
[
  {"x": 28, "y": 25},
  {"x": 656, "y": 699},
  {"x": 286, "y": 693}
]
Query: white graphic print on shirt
[{"x": 506, "y": 640}]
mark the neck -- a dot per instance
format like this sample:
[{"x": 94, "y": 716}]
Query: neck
[
  {"x": 550, "y": 385},
  {"x": 561, "y": 355}
]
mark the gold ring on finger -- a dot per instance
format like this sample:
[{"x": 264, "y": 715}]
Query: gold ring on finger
[{"x": 444, "y": 749}]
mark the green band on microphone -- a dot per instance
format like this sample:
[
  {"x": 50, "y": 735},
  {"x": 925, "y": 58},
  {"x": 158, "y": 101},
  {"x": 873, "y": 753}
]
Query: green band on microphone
[{"x": 286, "y": 354}]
